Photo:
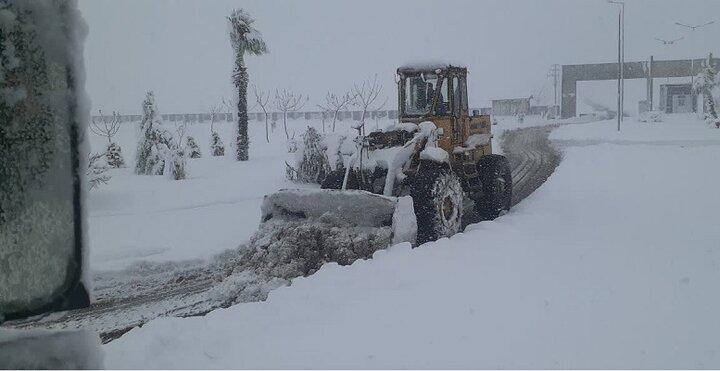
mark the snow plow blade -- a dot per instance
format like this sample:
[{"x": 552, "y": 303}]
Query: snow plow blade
[{"x": 354, "y": 208}]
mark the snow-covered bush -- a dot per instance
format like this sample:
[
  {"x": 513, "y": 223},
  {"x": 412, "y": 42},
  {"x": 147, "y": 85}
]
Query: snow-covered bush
[
  {"x": 158, "y": 153},
  {"x": 651, "y": 116},
  {"x": 708, "y": 84},
  {"x": 292, "y": 145},
  {"x": 311, "y": 160},
  {"x": 193, "y": 147},
  {"x": 114, "y": 156},
  {"x": 97, "y": 170},
  {"x": 175, "y": 162},
  {"x": 217, "y": 146}
]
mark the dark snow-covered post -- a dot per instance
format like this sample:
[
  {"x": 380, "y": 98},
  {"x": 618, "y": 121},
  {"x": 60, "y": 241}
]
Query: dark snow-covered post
[{"x": 244, "y": 39}]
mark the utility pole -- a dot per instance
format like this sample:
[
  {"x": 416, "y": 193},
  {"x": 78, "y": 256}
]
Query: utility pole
[
  {"x": 621, "y": 59},
  {"x": 619, "y": 103},
  {"x": 555, "y": 73}
]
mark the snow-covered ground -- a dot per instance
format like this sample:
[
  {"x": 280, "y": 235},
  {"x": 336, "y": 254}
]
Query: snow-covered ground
[
  {"x": 612, "y": 263},
  {"x": 678, "y": 129},
  {"x": 151, "y": 218}
]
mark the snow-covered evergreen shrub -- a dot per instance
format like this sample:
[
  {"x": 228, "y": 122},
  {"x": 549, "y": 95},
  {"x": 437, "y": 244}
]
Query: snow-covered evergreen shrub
[
  {"x": 114, "y": 156},
  {"x": 193, "y": 147},
  {"x": 216, "y": 145},
  {"x": 175, "y": 162},
  {"x": 97, "y": 170},
  {"x": 312, "y": 164},
  {"x": 292, "y": 145},
  {"x": 155, "y": 141},
  {"x": 708, "y": 84}
]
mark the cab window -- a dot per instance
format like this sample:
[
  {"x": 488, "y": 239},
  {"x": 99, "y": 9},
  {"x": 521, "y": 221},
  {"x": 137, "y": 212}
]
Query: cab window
[{"x": 443, "y": 104}]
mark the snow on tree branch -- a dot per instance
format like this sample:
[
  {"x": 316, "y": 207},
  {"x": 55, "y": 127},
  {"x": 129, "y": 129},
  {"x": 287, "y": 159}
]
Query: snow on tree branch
[
  {"x": 365, "y": 95},
  {"x": 243, "y": 36},
  {"x": 105, "y": 126},
  {"x": 289, "y": 101},
  {"x": 335, "y": 104}
]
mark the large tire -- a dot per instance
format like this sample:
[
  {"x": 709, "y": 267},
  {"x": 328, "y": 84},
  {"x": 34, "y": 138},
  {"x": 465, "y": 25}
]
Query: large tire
[
  {"x": 496, "y": 179},
  {"x": 437, "y": 197}
]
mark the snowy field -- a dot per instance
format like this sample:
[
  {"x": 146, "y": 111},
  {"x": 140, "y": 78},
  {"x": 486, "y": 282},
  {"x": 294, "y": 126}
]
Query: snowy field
[
  {"x": 151, "y": 218},
  {"x": 135, "y": 218},
  {"x": 612, "y": 263}
]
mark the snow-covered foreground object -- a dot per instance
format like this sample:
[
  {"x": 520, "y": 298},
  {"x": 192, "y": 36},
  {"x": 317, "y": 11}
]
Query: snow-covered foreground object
[{"x": 610, "y": 264}]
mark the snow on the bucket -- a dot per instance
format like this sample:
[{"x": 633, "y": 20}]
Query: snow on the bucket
[{"x": 360, "y": 208}]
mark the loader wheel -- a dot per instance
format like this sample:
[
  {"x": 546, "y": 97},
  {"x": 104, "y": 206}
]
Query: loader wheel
[
  {"x": 496, "y": 179},
  {"x": 437, "y": 197}
]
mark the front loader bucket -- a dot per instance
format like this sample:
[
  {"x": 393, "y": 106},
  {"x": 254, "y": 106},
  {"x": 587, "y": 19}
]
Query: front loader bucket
[{"x": 356, "y": 209}]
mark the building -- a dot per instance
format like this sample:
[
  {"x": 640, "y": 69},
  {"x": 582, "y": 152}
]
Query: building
[
  {"x": 677, "y": 98},
  {"x": 511, "y": 107}
]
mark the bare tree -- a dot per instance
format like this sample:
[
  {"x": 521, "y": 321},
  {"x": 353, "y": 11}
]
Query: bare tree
[
  {"x": 214, "y": 112},
  {"x": 262, "y": 100},
  {"x": 335, "y": 104},
  {"x": 365, "y": 95},
  {"x": 288, "y": 101},
  {"x": 106, "y": 126},
  {"x": 180, "y": 134}
]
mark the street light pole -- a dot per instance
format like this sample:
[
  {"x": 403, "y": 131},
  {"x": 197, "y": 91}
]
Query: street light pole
[
  {"x": 619, "y": 87},
  {"x": 621, "y": 60},
  {"x": 622, "y": 63}
]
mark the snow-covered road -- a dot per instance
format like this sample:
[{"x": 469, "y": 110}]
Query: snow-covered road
[{"x": 612, "y": 263}]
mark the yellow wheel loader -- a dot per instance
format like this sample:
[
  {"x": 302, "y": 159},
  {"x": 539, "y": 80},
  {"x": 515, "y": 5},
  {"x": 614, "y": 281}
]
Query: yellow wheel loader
[{"x": 438, "y": 154}]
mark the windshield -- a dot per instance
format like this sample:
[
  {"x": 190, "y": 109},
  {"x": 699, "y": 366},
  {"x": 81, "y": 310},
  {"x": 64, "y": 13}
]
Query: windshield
[{"x": 419, "y": 93}]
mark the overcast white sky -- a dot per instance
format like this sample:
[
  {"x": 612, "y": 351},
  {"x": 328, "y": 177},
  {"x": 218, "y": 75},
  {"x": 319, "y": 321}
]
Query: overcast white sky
[{"x": 180, "y": 48}]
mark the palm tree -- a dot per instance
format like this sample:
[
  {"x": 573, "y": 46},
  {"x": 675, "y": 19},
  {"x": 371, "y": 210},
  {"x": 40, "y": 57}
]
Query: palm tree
[{"x": 244, "y": 39}]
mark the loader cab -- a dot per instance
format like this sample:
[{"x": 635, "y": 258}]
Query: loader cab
[
  {"x": 432, "y": 91},
  {"x": 438, "y": 93}
]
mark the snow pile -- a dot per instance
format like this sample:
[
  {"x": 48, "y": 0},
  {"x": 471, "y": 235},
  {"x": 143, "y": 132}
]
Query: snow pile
[
  {"x": 284, "y": 249},
  {"x": 651, "y": 116},
  {"x": 559, "y": 282}
]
